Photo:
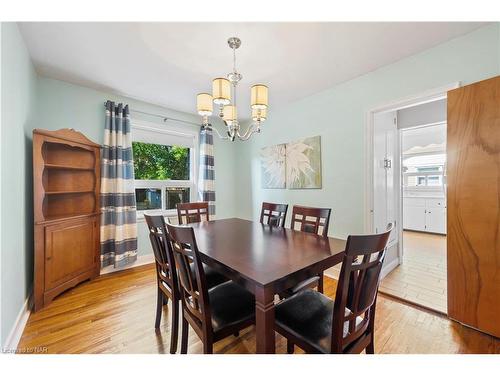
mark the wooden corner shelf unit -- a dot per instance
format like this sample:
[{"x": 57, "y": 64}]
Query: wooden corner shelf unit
[{"x": 66, "y": 183}]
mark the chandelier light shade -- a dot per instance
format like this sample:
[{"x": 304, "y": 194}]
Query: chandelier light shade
[
  {"x": 259, "y": 115},
  {"x": 221, "y": 91},
  {"x": 204, "y": 104},
  {"x": 259, "y": 97},
  {"x": 230, "y": 113},
  {"x": 224, "y": 97}
]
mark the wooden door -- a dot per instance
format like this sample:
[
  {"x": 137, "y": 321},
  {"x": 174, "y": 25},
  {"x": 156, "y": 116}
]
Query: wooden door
[
  {"x": 473, "y": 205},
  {"x": 69, "y": 250}
]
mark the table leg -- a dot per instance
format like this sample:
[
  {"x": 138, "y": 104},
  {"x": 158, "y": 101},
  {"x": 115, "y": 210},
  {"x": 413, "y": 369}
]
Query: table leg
[{"x": 264, "y": 320}]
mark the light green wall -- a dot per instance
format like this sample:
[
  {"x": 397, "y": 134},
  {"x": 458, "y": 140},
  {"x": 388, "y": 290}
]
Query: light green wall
[
  {"x": 30, "y": 102},
  {"x": 18, "y": 97},
  {"x": 339, "y": 114},
  {"x": 62, "y": 105}
]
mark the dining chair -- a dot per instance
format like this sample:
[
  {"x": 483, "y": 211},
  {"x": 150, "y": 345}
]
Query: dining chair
[
  {"x": 166, "y": 276},
  {"x": 212, "y": 313},
  {"x": 310, "y": 220},
  {"x": 273, "y": 214},
  {"x": 317, "y": 324},
  {"x": 196, "y": 212},
  {"x": 192, "y": 212}
]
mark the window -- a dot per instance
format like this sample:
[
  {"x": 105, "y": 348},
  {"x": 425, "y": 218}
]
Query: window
[
  {"x": 164, "y": 168},
  {"x": 424, "y": 170}
]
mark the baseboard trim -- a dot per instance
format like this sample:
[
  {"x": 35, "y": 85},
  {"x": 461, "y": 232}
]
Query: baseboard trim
[
  {"x": 388, "y": 268},
  {"x": 414, "y": 304},
  {"x": 141, "y": 260},
  {"x": 16, "y": 333},
  {"x": 332, "y": 273}
]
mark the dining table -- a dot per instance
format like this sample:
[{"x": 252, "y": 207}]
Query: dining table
[{"x": 265, "y": 260}]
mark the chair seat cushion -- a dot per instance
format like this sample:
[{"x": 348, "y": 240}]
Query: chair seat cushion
[
  {"x": 213, "y": 277},
  {"x": 230, "y": 304},
  {"x": 308, "y": 315}
]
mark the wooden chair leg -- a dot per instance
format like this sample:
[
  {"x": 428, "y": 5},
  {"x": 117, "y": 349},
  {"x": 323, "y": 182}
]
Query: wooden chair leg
[
  {"x": 175, "y": 327},
  {"x": 370, "y": 349},
  {"x": 159, "y": 306},
  {"x": 290, "y": 347},
  {"x": 320, "y": 283},
  {"x": 184, "y": 335},
  {"x": 208, "y": 347}
]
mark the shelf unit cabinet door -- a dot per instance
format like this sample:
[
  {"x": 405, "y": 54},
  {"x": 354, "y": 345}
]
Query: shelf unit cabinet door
[
  {"x": 414, "y": 217},
  {"x": 70, "y": 249},
  {"x": 435, "y": 220}
]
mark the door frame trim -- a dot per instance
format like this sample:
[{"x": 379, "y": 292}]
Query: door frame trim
[{"x": 409, "y": 101}]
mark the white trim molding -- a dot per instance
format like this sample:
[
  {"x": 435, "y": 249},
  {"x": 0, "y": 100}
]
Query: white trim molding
[
  {"x": 17, "y": 330},
  {"x": 334, "y": 272},
  {"x": 176, "y": 131},
  {"x": 424, "y": 97},
  {"x": 141, "y": 261},
  {"x": 387, "y": 268},
  {"x": 410, "y": 101}
]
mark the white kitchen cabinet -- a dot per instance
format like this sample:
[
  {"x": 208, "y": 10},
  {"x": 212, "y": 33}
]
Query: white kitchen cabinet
[
  {"x": 435, "y": 220},
  {"x": 425, "y": 214},
  {"x": 413, "y": 217}
]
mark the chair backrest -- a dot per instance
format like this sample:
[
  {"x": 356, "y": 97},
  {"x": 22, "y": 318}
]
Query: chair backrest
[
  {"x": 192, "y": 285},
  {"x": 194, "y": 212},
  {"x": 311, "y": 220},
  {"x": 158, "y": 235},
  {"x": 273, "y": 214},
  {"x": 354, "y": 308}
]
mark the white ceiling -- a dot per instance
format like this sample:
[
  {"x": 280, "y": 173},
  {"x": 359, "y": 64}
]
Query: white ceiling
[{"x": 169, "y": 63}]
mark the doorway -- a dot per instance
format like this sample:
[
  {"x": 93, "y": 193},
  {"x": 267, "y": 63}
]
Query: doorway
[
  {"x": 421, "y": 275},
  {"x": 408, "y": 188}
]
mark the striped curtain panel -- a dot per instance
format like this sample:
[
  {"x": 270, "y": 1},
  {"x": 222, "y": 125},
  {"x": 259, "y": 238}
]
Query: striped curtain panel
[
  {"x": 206, "y": 176},
  {"x": 118, "y": 210}
]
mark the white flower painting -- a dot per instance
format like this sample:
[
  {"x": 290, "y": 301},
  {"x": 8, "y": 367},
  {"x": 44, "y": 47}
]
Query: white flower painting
[
  {"x": 273, "y": 167},
  {"x": 303, "y": 163},
  {"x": 296, "y": 165}
]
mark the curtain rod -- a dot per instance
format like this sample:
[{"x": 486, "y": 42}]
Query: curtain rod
[{"x": 164, "y": 118}]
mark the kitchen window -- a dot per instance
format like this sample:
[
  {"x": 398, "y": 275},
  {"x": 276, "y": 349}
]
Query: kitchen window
[{"x": 424, "y": 171}]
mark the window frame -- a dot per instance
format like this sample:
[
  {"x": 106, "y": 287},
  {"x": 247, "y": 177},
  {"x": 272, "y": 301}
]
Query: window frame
[
  {"x": 440, "y": 172},
  {"x": 192, "y": 183}
]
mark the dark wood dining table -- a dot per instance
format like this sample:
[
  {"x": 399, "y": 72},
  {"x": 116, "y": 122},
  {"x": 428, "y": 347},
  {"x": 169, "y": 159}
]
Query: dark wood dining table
[{"x": 265, "y": 260}]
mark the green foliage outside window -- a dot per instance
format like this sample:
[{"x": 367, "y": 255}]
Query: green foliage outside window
[{"x": 160, "y": 162}]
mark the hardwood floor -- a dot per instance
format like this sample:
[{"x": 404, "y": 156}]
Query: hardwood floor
[
  {"x": 421, "y": 278},
  {"x": 115, "y": 314}
]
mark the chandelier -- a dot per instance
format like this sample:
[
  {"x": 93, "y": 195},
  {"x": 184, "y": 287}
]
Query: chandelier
[{"x": 224, "y": 97}]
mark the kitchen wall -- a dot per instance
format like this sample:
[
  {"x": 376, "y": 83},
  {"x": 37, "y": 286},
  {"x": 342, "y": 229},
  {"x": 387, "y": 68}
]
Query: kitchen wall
[{"x": 339, "y": 116}]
